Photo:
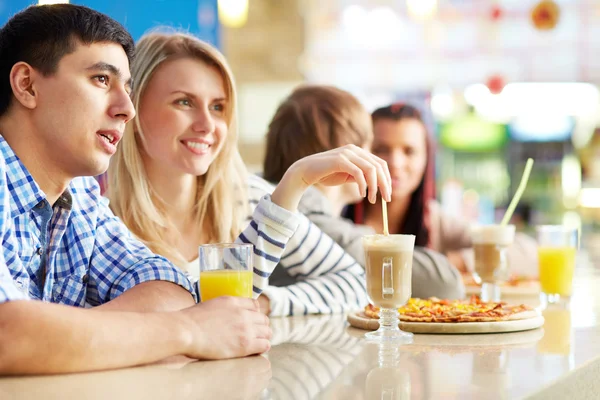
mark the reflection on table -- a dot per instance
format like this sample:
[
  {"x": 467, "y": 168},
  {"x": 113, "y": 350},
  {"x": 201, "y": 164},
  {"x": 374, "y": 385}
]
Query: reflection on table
[
  {"x": 555, "y": 354},
  {"x": 380, "y": 371},
  {"x": 308, "y": 355},
  {"x": 178, "y": 379},
  {"x": 434, "y": 366}
]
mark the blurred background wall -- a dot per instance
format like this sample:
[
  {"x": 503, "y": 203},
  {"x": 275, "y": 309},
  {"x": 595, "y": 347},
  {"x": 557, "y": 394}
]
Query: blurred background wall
[{"x": 499, "y": 81}]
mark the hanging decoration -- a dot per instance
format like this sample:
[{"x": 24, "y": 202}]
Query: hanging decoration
[
  {"x": 495, "y": 84},
  {"x": 491, "y": 27},
  {"x": 496, "y": 13},
  {"x": 545, "y": 15}
]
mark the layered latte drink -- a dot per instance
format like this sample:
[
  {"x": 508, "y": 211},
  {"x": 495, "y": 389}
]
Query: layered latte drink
[
  {"x": 389, "y": 269},
  {"x": 490, "y": 243}
]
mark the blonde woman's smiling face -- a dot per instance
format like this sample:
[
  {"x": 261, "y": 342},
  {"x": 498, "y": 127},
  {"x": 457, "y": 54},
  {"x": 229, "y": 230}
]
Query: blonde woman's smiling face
[{"x": 183, "y": 116}]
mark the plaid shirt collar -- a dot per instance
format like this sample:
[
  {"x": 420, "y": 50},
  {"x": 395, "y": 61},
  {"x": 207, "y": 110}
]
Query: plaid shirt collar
[{"x": 25, "y": 193}]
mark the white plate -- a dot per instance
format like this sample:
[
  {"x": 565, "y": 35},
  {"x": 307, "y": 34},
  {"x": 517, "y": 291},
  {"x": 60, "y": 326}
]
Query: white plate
[{"x": 359, "y": 320}]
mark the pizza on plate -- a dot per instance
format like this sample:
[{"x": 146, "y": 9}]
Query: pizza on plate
[{"x": 471, "y": 310}]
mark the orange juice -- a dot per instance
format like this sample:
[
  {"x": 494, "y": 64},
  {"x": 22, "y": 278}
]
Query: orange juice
[
  {"x": 556, "y": 265},
  {"x": 225, "y": 283}
]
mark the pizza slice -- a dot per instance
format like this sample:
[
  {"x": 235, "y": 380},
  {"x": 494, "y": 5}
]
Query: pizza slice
[{"x": 447, "y": 311}]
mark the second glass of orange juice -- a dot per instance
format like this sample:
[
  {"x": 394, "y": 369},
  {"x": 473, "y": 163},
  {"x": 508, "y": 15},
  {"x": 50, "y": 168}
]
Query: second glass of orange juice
[
  {"x": 225, "y": 270},
  {"x": 557, "y": 246}
]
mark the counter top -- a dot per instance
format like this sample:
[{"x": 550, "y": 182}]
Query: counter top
[{"x": 322, "y": 357}]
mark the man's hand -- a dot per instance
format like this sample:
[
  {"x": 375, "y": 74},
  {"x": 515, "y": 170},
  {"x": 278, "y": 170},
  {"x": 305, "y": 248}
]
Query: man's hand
[
  {"x": 226, "y": 327},
  {"x": 77, "y": 340}
]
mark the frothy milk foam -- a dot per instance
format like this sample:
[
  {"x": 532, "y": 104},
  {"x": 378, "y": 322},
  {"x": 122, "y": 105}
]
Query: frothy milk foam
[
  {"x": 389, "y": 242},
  {"x": 493, "y": 234}
]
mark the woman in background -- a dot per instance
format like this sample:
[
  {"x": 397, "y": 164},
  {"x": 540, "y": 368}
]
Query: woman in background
[
  {"x": 402, "y": 140},
  {"x": 314, "y": 119}
]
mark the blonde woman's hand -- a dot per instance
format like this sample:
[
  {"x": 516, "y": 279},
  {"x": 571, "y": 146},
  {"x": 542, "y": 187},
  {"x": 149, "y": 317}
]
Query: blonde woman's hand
[{"x": 331, "y": 168}]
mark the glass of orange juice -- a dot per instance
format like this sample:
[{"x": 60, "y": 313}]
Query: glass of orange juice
[
  {"x": 557, "y": 246},
  {"x": 225, "y": 270}
]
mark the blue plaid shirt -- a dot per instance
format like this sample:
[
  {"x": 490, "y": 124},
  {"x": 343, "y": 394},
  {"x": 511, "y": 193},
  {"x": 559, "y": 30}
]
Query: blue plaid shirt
[{"x": 75, "y": 252}]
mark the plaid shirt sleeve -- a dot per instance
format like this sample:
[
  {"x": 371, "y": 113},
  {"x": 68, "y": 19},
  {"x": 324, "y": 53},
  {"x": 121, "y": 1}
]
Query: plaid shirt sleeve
[
  {"x": 119, "y": 261},
  {"x": 8, "y": 289}
]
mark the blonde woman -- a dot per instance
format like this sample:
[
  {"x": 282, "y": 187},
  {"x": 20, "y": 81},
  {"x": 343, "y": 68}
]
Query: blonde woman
[{"x": 178, "y": 181}]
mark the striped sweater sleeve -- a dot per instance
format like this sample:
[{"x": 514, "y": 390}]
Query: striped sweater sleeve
[
  {"x": 328, "y": 280},
  {"x": 269, "y": 230}
]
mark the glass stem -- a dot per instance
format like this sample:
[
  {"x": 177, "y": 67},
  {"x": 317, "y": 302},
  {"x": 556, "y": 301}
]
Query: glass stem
[
  {"x": 490, "y": 292},
  {"x": 388, "y": 319}
]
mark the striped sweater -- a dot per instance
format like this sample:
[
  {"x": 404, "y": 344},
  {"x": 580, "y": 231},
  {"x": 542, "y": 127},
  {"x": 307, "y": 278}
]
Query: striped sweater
[{"x": 325, "y": 279}]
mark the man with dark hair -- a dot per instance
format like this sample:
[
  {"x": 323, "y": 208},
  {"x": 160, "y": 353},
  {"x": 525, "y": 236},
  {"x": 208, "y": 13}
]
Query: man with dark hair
[
  {"x": 64, "y": 103},
  {"x": 43, "y": 45}
]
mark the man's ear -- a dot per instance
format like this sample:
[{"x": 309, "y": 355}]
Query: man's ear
[{"x": 22, "y": 79}]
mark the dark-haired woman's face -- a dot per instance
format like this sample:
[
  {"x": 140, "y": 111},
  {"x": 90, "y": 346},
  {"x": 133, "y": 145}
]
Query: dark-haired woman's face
[{"x": 403, "y": 145}]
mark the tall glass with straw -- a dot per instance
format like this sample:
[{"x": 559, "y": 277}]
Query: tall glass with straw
[
  {"x": 490, "y": 245},
  {"x": 389, "y": 276}
]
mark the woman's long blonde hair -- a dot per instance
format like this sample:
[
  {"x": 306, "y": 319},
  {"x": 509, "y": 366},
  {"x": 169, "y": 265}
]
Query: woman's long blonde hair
[{"x": 221, "y": 206}]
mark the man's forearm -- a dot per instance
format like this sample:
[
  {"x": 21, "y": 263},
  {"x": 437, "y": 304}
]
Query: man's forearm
[
  {"x": 151, "y": 296},
  {"x": 43, "y": 338}
]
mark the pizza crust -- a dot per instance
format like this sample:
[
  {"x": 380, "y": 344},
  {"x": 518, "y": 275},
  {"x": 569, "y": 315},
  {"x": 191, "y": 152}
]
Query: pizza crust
[{"x": 524, "y": 315}]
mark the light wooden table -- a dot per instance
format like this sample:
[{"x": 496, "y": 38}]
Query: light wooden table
[{"x": 321, "y": 357}]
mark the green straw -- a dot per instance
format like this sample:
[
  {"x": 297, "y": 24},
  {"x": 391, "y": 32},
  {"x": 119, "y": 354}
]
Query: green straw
[{"x": 513, "y": 204}]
